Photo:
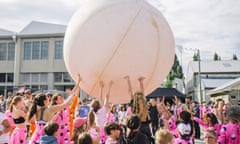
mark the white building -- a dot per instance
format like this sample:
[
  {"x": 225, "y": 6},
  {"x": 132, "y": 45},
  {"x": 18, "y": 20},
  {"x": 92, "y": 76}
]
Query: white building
[
  {"x": 213, "y": 74},
  {"x": 38, "y": 62}
]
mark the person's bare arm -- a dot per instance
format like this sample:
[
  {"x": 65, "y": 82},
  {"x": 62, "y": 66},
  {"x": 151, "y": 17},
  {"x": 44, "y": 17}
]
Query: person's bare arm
[
  {"x": 101, "y": 92},
  {"x": 106, "y": 102},
  {"x": 140, "y": 79},
  {"x": 7, "y": 127},
  {"x": 129, "y": 86}
]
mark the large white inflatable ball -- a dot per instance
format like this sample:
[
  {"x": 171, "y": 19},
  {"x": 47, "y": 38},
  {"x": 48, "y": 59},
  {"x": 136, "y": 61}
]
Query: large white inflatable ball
[{"x": 109, "y": 39}]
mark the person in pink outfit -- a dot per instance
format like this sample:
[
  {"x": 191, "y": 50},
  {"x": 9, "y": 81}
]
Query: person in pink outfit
[
  {"x": 42, "y": 113},
  {"x": 62, "y": 118},
  {"x": 100, "y": 110},
  {"x": 185, "y": 129},
  {"x": 211, "y": 124},
  {"x": 19, "y": 135},
  {"x": 230, "y": 132}
]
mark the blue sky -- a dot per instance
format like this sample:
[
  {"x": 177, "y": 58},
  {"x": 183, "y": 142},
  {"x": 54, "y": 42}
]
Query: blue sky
[{"x": 209, "y": 25}]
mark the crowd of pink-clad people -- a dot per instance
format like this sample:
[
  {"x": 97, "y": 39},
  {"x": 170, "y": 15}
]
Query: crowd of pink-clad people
[{"x": 47, "y": 118}]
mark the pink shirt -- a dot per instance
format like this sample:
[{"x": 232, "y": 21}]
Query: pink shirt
[{"x": 230, "y": 134}]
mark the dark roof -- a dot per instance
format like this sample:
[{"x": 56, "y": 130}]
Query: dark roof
[{"x": 167, "y": 92}]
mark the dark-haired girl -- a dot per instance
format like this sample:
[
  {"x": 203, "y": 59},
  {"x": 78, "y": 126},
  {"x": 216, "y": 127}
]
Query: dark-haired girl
[
  {"x": 211, "y": 124},
  {"x": 43, "y": 113},
  {"x": 185, "y": 129},
  {"x": 19, "y": 134},
  {"x": 134, "y": 136}
]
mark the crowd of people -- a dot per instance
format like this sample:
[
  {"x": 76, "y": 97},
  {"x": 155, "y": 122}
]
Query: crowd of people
[{"x": 47, "y": 118}]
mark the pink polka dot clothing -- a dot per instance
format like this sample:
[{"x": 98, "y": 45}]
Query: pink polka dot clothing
[
  {"x": 19, "y": 136},
  {"x": 39, "y": 131},
  {"x": 64, "y": 128}
]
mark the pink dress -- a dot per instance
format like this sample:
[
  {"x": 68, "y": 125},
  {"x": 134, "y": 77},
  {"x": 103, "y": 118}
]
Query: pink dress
[
  {"x": 111, "y": 117},
  {"x": 64, "y": 129},
  {"x": 19, "y": 136},
  {"x": 39, "y": 131},
  {"x": 230, "y": 134}
]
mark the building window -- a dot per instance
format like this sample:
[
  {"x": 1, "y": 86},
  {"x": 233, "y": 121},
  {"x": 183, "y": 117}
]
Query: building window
[
  {"x": 10, "y": 77},
  {"x": 44, "y": 50},
  {"x": 6, "y": 77},
  {"x": 35, "y": 50},
  {"x": 11, "y": 51},
  {"x": 2, "y": 77},
  {"x": 3, "y": 51},
  {"x": 27, "y": 50},
  {"x": 26, "y": 78},
  {"x": 59, "y": 49},
  {"x": 34, "y": 77},
  {"x": 62, "y": 77},
  {"x": 43, "y": 77}
]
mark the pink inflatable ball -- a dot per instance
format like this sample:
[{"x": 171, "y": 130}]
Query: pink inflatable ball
[{"x": 109, "y": 39}]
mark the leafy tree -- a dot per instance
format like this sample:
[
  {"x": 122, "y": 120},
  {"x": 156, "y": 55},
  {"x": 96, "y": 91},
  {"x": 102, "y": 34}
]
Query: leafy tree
[
  {"x": 195, "y": 57},
  {"x": 216, "y": 57},
  {"x": 235, "y": 57},
  {"x": 176, "y": 72}
]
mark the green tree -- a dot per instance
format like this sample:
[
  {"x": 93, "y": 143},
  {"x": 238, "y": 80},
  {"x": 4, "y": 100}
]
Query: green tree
[
  {"x": 216, "y": 57},
  {"x": 176, "y": 72},
  {"x": 235, "y": 57},
  {"x": 195, "y": 57}
]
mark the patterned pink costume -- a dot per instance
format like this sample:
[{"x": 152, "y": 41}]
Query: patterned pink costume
[
  {"x": 172, "y": 126},
  {"x": 181, "y": 141},
  {"x": 39, "y": 131},
  {"x": 64, "y": 128},
  {"x": 19, "y": 136},
  {"x": 230, "y": 134}
]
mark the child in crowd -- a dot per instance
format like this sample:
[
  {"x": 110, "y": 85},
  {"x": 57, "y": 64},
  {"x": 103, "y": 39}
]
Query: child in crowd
[
  {"x": 80, "y": 126},
  {"x": 113, "y": 131},
  {"x": 51, "y": 132},
  {"x": 185, "y": 129},
  {"x": 164, "y": 137},
  {"x": 85, "y": 138},
  {"x": 210, "y": 137},
  {"x": 100, "y": 110}
]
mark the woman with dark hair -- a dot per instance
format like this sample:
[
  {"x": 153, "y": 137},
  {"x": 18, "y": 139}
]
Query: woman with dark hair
[
  {"x": 185, "y": 129},
  {"x": 42, "y": 113},
  {"x": 211, "y": 124},
  {"x": 134, "y": 136}
]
